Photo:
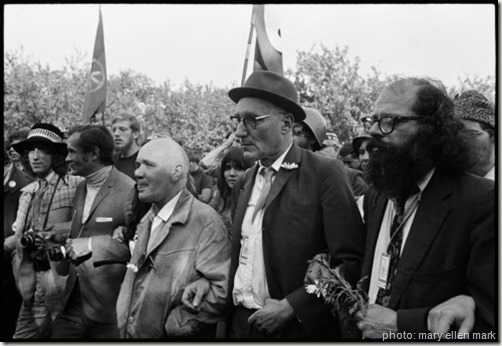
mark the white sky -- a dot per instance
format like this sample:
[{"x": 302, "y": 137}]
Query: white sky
[{"x": 207, "y": 43}]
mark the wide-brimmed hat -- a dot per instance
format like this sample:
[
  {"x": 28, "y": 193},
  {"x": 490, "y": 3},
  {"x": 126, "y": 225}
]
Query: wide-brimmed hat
[
  {"x": 42, "y": 133},
  {"x": 273, "y": 88}
]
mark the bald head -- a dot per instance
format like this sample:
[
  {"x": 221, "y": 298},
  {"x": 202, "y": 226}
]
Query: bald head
[{"x": 162, "y": 170}]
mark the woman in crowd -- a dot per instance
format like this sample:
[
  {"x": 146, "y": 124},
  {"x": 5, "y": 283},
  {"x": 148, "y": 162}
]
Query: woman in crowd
[{"x": 232, "y": 166}]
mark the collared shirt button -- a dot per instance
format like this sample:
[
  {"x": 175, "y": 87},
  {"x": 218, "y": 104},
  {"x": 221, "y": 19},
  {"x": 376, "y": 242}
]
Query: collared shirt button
[{"x": 131, "y": 319}]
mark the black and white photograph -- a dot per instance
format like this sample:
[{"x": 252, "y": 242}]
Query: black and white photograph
[{"x": 250, "y": 172}]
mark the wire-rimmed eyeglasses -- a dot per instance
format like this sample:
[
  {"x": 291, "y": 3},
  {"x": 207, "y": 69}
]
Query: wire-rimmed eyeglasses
[{"x": 249, "y": 122}]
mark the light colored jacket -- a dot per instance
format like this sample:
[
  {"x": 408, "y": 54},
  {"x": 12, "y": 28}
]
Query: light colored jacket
[{"x": 192, "y": 244}]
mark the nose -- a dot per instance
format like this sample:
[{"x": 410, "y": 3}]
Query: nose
[
  {"x": 375, "y": 130},
  {"x": 36, "y": 154},
  {"x": 232, "y": 172},
  {"x": 138, "y": 173},
  {"x": 240, "y": 130}
]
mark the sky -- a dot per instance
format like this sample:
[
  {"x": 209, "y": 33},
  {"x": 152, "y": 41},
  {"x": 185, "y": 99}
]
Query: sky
[{"x": 207, "y": 43}]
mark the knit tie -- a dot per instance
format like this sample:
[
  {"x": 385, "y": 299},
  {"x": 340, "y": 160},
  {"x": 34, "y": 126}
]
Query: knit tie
[{"x": 268, "y": 173}]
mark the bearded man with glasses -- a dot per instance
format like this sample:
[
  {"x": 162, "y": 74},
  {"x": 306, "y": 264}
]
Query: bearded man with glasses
[
  {"x": 430, "y": 225},
  {"x": 290, "y": 206}
]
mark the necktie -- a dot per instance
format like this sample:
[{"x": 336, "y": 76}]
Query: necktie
[
  {"x": 394, "y": 248},
  {"x": 36, "y": 205},
  {"x": 268, "y": 173}
]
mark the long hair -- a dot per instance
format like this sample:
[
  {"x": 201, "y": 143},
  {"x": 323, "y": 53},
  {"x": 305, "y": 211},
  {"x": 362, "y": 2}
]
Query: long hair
[
  {"x": 442, "y": 131},
  {"x": 233, "y": 158}
]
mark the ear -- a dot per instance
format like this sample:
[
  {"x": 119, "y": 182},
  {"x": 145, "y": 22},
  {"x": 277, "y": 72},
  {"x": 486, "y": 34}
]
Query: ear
[
  {"x": 288, "y": 122},
  {"x": 177, "y": 173},
  {"x": 94, "y": 154},
  {"x": 135, "y": 134}
]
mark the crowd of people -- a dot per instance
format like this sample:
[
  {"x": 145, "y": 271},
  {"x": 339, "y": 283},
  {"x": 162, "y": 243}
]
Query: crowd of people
[{"x": 107, "y": 236}]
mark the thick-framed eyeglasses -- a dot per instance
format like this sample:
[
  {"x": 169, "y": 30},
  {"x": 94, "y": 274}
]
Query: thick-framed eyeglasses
[
  {"x": 386, "y": 122},
  {"x": 249, "y": 122}
]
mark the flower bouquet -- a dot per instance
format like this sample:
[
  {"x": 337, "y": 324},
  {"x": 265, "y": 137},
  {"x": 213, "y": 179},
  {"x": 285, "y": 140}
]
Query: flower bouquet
[{"x": 330, "y": 285}]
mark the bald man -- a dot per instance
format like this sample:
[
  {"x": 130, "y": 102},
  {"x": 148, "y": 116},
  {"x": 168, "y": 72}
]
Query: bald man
[{"x": 176, "y": 282}]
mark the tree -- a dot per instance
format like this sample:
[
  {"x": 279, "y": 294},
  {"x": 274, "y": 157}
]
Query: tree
[{"x": 329, "y": 82}]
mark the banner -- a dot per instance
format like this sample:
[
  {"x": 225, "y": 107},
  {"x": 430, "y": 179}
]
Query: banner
[
  {"x": 95, "y": 98},
  {"x": 268, "y": 50}
]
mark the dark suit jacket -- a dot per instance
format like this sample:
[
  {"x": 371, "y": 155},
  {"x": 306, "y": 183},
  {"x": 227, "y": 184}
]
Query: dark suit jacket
[
  {"x": 310, "y": 209},
  {"x": 450, "y": 250},
  {"x": 357, "y": 182},
  {"x": 100, "y": 277}
]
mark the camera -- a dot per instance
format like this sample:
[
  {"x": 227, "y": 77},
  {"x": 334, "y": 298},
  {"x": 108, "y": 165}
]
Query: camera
[
  {"x": 57, "y": 253},
  {"x": 28, "y": 240}
]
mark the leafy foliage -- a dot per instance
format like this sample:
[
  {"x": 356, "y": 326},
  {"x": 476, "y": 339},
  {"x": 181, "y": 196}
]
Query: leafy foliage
[{"x": 197, "y": 116}]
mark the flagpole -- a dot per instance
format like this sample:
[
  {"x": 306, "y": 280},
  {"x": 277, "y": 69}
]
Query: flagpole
[{"x": 251, "y": 29}]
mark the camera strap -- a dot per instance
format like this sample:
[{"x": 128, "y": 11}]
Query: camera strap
[{"x": 48, "y": 208}]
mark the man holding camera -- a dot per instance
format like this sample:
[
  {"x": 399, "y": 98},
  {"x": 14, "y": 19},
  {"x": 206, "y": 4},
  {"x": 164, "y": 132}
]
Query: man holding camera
[
  {"x": 95, "y": 262},
  {"x": 41, "y": 224}
]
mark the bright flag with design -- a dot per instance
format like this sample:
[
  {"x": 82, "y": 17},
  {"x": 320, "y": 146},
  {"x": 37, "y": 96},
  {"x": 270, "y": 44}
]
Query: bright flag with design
[
  {"x": 95, "y": 98},
  {"x": 268, "y": 50}
]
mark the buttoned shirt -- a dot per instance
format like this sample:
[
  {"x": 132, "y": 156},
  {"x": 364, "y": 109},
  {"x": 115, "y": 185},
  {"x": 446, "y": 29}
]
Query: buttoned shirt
[
  {"x": 161, "y": 218},
  {"x": 250, "y": 283},
  {"x": 410, "y": 209}
]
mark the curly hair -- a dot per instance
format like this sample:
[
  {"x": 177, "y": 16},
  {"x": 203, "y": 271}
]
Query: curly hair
[
  {"x": 59, "y": 164},
  {"x": 442, "y": 131}
]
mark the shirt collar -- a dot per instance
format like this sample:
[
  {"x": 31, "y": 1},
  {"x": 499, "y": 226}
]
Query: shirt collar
[
  {"x": 277, "y": 163},
  {"x": 422, "y": 184},
  {"x": 97, "y": 178},
  {"x": 167, "y": 210},
  {"x": 48, "y": 178}
]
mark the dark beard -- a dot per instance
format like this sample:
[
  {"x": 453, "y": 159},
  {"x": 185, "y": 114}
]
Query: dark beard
[{"x": 396, "y": 170}]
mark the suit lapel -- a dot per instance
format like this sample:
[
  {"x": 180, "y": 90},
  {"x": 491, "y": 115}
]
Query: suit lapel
[
  {"x": 79, "y": 202},
  {"x": 103, "y": 191},
  {"x": 242, "y": 204},
  {"x": 376, "y": 208},
  {"x": 294, "y": 156},
  {"x": 430, "y": 215},
  {"x": 179, "y": 215}
]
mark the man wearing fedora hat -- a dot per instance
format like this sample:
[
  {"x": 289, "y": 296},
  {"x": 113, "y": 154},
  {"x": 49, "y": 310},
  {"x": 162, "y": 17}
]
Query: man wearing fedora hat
[
  {"x": 45, "y": 208},
  {"x": 290, "y": 206}
]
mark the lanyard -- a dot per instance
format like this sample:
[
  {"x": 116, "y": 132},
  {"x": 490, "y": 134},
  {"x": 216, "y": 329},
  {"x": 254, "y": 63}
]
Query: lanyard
[{"x": 407, "y": 213}]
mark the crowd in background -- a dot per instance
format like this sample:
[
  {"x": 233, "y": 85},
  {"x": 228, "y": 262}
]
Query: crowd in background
[{"x": 110, "y": 236}]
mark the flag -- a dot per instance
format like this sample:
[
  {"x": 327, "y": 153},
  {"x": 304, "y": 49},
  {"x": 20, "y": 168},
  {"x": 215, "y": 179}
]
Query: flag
[
  {"x": 268, "y": 51},
  {"x": 95, "y": 98}
]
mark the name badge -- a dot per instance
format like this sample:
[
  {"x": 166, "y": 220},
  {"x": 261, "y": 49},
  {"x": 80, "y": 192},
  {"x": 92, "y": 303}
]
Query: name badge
[
  {"x": 383, "y": 271},
  {"x": 104, "y": 219},
  {"x": 243, "y": 256}
]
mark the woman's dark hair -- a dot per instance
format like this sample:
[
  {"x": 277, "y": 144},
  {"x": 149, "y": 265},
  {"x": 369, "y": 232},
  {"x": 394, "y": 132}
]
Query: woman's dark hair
[
  {"x": 233, "y": 158},
  {"x": 95, "y": 137}
]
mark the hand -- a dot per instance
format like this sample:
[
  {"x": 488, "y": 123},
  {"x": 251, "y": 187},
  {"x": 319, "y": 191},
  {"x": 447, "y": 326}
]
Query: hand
[
  {"x": 457, "y": 311},
  {"x": 378, "y": 320},
  {"x": 273, "y": 317},
  {"x": 77, "y": 250},
  {"x": 120, "y": 234},
  {"x": 194, "y": 293},
  {"x": 57, "y": 232},
  {"x": 316, "y": 270}
]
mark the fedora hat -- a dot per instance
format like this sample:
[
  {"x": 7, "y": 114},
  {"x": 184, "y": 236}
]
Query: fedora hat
[
  {"x": 42, "y": 133},
  {"x": 273, "y": 88}
]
